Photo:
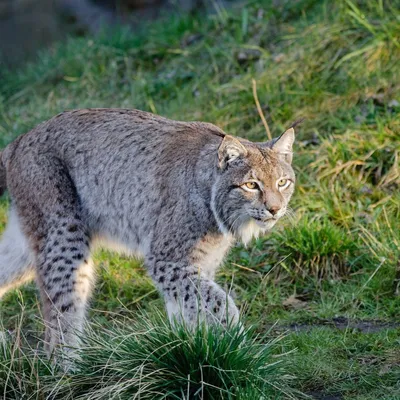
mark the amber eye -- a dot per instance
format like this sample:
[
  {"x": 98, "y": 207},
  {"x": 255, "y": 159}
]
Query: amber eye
[
  {"x": 251, "y": 185},
  {"x": 282, "y": 182}
]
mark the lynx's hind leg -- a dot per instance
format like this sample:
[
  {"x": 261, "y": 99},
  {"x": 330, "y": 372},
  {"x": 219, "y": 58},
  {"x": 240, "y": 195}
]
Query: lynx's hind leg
[
  {"x": 65, "y": 277},
  {"x": 50, "y": 212},
  {"x": 16, "y": 258}
]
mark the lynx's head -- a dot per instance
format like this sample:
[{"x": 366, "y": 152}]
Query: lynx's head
[{"x": 254, "y": 184}]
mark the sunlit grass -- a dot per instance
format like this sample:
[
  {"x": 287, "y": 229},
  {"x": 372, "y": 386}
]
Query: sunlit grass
[
  {"x": 148, "y": 358},
  {"x": 334, "y": 63}
]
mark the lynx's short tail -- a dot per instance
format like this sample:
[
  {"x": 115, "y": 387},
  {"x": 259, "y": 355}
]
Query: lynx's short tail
[
  {"x": 16, "y": 261},
  {"x": 3, "y": 176}
]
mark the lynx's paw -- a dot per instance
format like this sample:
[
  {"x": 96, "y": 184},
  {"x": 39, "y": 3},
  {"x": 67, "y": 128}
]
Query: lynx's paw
[
  {"x": 217, "y": 305},
  {"x": 203, "y": 301}
]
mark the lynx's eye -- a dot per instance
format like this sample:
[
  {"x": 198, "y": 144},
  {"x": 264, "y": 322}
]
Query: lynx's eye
[
  {"x": 250, "y": 186},
  {"x": 282, "y": 183}
]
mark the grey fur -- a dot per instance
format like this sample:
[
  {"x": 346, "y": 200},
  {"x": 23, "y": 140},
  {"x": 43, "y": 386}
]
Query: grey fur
[{"x": 170, "y": 191}]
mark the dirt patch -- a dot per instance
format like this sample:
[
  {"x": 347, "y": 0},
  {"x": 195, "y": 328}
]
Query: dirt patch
[
  {"x": 342, "y": 323},
  {"x": 323, "y": 396}
]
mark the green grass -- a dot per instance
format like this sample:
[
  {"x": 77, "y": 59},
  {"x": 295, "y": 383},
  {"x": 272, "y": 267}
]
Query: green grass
[
  {"x": 355, "y": 365},
  {"x": 336, "y": 64},
  {"x": 147, "y": 359}
]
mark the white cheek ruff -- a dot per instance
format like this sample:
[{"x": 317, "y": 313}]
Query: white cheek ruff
[
  {"x": 249, "y": 230},
  {"x": 220, "y": 224},
  {"x": 252, "y": 230}
]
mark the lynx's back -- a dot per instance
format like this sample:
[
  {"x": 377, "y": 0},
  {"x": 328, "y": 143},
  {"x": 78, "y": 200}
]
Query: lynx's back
[{"x": 121, "y": 162}]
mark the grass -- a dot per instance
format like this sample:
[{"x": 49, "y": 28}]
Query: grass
[
  {"x": 336, "y": 64},
  {"x": 149, "y": 359},
  {"x": 353, "y": 365}
]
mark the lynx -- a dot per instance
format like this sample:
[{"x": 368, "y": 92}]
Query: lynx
[{"x": 177, "y": 193}]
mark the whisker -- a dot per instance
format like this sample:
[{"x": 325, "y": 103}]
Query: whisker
[
  {"x": 232, "y": 224},
  {"x": 290, "y": 215}
]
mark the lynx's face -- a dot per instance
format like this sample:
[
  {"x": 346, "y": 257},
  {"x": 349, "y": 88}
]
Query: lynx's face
[{"x": 255, "y": 185}]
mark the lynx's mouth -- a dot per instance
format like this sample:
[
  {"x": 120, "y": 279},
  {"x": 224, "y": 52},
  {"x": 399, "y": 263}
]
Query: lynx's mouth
[{"x": 265, "y": 222}]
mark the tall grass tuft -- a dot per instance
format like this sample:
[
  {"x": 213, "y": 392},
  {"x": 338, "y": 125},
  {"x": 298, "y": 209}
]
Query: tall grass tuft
[
  {"x": 150, "y": 359},
  {"x": 22, "y": 369},
  {"x": 315, "y": 248}
]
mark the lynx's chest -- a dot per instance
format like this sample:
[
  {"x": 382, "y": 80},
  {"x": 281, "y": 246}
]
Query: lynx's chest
[{"x": 209, "y": 253}]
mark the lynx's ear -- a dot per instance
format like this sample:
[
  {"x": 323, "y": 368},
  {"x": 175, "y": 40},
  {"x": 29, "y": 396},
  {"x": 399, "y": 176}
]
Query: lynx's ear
[
  {"x": 229, "y": 150},
  {"x": 283, "y": 145}
]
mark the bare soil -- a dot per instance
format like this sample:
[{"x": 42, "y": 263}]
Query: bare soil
[{"x": 342, "y": 323}]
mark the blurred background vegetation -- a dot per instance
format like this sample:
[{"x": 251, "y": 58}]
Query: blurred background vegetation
[
  {"x": 330, "y": 274},
  {"x": 30, "y": 25}
]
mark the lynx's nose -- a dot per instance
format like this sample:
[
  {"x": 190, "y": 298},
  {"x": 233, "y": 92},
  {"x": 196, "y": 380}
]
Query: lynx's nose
[{"x": 274, "y": 209}]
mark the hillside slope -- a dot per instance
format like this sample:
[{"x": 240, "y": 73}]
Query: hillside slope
[{"x": 330, "y": 273}]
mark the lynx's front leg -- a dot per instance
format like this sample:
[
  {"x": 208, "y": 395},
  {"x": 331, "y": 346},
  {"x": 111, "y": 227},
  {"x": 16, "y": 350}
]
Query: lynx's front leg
[{"x": 191, "y": 296}]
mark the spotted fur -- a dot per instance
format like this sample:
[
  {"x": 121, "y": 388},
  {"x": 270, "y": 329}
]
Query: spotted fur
[{"x": 167, "y": 190}]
